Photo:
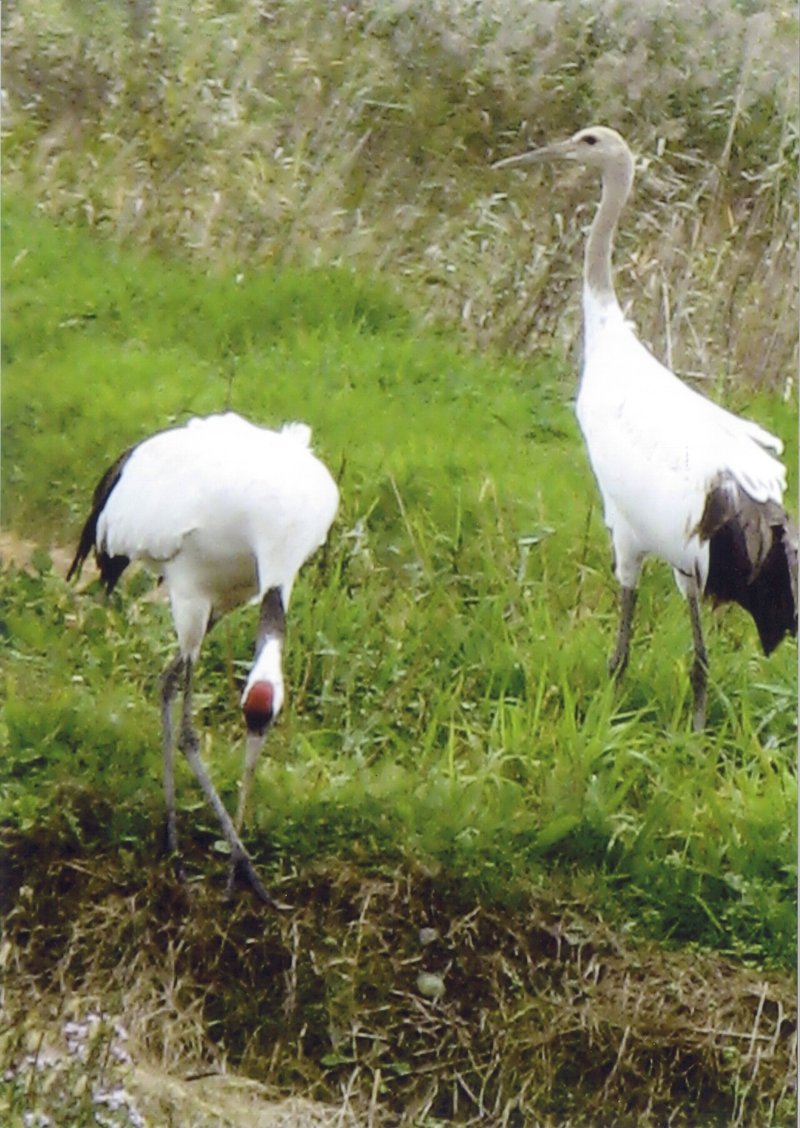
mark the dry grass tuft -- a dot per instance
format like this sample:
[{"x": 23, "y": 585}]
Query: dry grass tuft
[
  {"x": 394, "y": 999},
  {"x": 364, "y": 134}
]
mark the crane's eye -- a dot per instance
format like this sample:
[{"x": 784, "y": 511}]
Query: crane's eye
[{"x": 589, "y": 139}]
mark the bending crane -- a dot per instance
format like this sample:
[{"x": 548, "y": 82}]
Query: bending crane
[
  {"x": 224, "y": 512},
  {"x": 681, "y": 478}
]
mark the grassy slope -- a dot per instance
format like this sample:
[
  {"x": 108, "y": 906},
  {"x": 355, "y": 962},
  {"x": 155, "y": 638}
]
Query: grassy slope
[
  {"x": 448, "y": 694},
  {"x": 451, "y": 752},
  {"x": 364, "y": 133}
]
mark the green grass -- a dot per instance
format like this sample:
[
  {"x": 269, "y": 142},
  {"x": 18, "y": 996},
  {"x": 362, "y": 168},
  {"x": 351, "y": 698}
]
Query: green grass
[
  {"x": 364, "y": 134},
  {"x": 451, "y": 752},
  {"x": 446, "y": 661}
]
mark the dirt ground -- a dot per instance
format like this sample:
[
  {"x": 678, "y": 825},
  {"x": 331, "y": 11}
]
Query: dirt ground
[{"x": 381, "y": 999}]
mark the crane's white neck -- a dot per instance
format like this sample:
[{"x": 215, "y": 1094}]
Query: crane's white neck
[{"x": 617, "y": 184}]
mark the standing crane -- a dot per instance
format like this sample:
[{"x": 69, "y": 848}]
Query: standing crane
[
  {"x": 681, "y": 478},
  {"x": 225, "y": 512}
]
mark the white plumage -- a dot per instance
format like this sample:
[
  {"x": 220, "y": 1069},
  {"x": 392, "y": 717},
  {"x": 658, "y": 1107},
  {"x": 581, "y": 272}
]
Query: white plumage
[
  {"x": 656, "y": 446},
  {"x": 681, "y": 478},
  {"x": 225, "y": 512}
]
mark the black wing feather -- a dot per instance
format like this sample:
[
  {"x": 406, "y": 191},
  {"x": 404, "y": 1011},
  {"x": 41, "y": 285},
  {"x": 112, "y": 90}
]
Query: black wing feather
[
  {"x": 111, "y": 567},
  {"x": 752, "y": 559}
]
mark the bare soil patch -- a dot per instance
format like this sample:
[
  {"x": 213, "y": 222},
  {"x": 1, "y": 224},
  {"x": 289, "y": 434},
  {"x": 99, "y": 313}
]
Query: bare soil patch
[
  {"x": 388, "y": 998},
  {"x": 21, "y": 553}
]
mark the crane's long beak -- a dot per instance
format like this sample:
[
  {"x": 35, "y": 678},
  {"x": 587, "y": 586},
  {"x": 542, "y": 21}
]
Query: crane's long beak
[
  {"x": 556, "y": 151},
  {"x": 254, "y": 742}
]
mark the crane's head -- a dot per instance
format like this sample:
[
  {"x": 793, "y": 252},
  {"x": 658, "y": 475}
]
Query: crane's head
[
  {"x": 597, "y": 146},
  {"x": 263, "y": 692},
  {"x": 261, "y": 704},
  {"x": 262, "y": 697}
]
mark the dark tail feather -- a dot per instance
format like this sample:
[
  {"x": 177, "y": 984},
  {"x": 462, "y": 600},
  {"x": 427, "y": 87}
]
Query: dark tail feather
[
  {"x": 85, "y": 545},
  {"x": 752, "y": 559},
  {"x": 111, "y": 567}
]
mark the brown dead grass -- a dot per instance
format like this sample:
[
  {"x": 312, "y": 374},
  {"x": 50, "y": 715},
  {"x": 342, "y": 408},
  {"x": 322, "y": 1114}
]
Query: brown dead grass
[
  {"x": 363, "y": 133},
  {"x": 547, "y": 1017}
]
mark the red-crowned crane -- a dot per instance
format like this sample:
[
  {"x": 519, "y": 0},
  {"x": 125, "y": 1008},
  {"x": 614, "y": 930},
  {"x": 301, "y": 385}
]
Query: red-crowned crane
[
  {"x": 225, "y": 512},
  {"x": 681, "y": 478}
]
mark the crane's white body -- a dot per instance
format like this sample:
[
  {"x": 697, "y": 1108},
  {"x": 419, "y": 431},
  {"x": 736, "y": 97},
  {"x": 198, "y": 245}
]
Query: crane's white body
[
  {"x": 657, "y": 447},
  {"x": 681, "y": 478},
  {"x": 223, "y": 510}
]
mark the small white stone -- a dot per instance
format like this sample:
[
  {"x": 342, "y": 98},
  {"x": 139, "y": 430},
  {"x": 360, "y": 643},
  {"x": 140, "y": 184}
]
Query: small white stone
[{"x": 430, "y": 985}]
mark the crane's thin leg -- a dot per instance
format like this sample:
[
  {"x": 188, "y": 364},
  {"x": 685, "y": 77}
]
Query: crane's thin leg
[
  {"x": 169, "y": 687},
  {"x": 619, "y": 658},
  {"x": 699, "y": 674},
  {"x": 189, "y": 746}
]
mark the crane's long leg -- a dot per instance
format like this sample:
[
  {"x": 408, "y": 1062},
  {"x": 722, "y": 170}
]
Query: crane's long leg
[
  {"x": 699, "y": 674},
  {"x": 169, "y": 687},
  {"x": 240, "y": 859},
  {"x": 619, "y": 658}
]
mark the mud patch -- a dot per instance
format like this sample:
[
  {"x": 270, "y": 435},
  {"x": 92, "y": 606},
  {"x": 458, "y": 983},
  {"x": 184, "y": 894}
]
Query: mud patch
[{"x": 397, "y": 998}]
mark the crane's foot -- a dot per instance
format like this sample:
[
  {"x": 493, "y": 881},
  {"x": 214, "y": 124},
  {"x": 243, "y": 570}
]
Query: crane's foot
[
  {"x": 169, "y": 850},
  {"x": 179, "y": 870},
  {"x": 242, "y": 869}
]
